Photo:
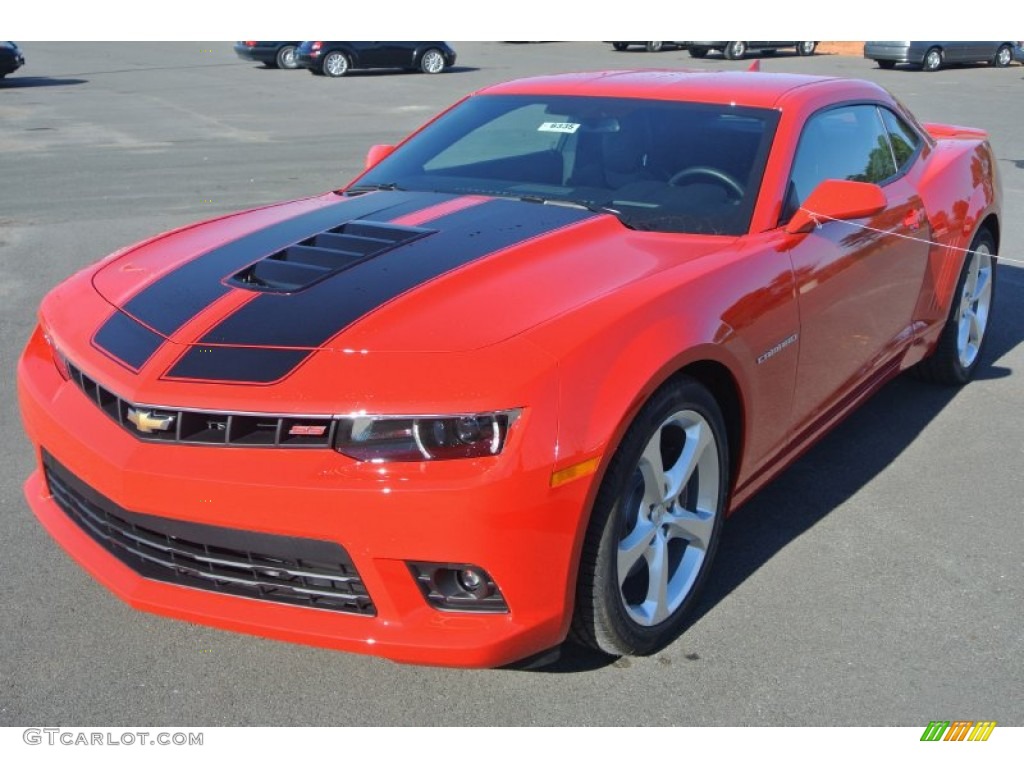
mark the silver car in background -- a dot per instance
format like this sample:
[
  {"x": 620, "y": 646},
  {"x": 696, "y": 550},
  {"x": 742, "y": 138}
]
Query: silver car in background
[{"x": 931, "y": 56}]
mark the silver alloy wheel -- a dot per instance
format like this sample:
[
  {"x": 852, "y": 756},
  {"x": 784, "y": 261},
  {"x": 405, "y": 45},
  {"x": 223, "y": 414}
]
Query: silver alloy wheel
[
  {"x": 736, "y": 50},
  {"x": 975, "y": 303},
  {"x": 654, "y": 46},
  {"x": 1004, "y": 56},
  {"x": 336, "y": 64},
  {"x": 932, "y": 60},
  {"x": 432, "y": 62},
  {"x": 806, "y": 48},
  {"x": 287, "y": 58},
  {"x": 670, "y": 512}
]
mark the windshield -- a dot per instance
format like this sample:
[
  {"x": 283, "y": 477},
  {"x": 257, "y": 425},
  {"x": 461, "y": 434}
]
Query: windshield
[{"x": 664, "y": 166}]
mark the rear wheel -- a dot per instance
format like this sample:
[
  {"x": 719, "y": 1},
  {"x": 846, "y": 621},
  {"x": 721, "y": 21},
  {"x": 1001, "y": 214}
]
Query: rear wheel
[
  {"x": 654, "y": 47},
  {"x": 806, "y": 48},
  {"x": 335, "y": 64},
  {"x": 655, "y": 524},
  {"x": 958, "y": 351},
  {"x": 932, "y": 60},
  {"x": 698, "y": 53},
  {"x": 619, "y": 46},
  {"x": 736, "y": 50},
  {"x": 885, "y": 63},
  {"x": 1003, "y": 56}
]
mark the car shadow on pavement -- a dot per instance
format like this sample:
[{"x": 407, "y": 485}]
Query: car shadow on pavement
[
  {"x": 831, "y": 472},
  {"x": 38, "y": 82},
  {"x": 387, "y": 72}
]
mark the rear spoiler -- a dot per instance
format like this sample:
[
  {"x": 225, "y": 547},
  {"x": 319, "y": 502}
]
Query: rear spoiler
[{"x": 943, "y": 131}]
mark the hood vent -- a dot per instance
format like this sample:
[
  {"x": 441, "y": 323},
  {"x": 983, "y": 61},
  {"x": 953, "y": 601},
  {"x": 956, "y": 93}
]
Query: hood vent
[{"x": 323, "y": 255}]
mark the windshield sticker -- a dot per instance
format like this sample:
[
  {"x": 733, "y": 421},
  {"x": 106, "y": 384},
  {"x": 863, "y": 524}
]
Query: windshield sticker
[{"x": 559, "y": 127}]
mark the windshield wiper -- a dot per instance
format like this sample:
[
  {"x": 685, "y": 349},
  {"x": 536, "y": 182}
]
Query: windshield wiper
[
  {"x": 594, "y": 207},
  {"x": 388, "y": 186}
]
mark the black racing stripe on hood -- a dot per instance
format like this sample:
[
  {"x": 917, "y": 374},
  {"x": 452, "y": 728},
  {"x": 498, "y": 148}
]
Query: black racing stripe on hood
[
  {"x": 127, "y": 341},
  {"x": 174, "y": 299},
  {"x": 404, "y": 209},
  {"x": 177, "y": 297},
  {"x": 309, "y": 318},
  {"x": 247, "y": 365}
]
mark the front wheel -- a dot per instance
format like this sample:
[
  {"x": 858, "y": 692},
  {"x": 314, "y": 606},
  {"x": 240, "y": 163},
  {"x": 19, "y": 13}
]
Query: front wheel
[
  {"x": 958, "y": 350},
  {"x": 699, "y": 53},
  {"x": 1003, "y": 56},
  {"x": 806, "y": 48},
  {"x": 655, "y": 524},
  {"x": 432, "y": 61},
  {"x": 286, "y": 58},
  {"x": 619, "y": 46},
  {"x": 932, "y": 60},
  {"x": 654, "y": 47},
  {"x": 736, "y": 50}
]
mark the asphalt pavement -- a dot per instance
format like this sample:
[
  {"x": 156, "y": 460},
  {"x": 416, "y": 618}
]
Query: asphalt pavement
[{"x": 878, "y": 581}]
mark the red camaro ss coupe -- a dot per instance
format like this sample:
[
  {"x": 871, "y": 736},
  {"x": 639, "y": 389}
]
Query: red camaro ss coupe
[{"x": 504, "y": 388}]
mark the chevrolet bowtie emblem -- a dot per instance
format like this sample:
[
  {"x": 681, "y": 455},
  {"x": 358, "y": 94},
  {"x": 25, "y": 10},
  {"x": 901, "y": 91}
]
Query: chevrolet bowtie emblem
[{"x": 147, "y": 421}]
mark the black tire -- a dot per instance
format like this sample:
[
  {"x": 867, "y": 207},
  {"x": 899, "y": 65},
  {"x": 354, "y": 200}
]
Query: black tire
[
  {"x": 806, "y": 48},
  {"x": 286, "y": 58},
  {"x": 613, "y": 615},
  {"x": 699, "y": 53},
  {"x": 735, "y": 50},
  {"x": 335, "y": 64},
  {"x": 619, "y": 46},
  {"x": 955, "y": 358},
  {"x": 1003, "y": 57},
  {"x": 885, "y": 63},
  {"x": 432, "y": 62},
  {"x": 653, "y": 47},
  {"x": 932, "y": 61}
]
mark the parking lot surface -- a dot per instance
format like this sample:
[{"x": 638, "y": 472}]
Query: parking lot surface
[{"x": 878, "y": 581}]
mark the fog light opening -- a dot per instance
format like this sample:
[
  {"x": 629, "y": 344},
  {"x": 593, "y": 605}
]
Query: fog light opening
[
  {"x": 458, "y": 587},
  {"x": 473, "y": 581}
]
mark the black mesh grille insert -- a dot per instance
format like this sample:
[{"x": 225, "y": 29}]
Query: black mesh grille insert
[
  {"x": 174, "y": 425},
  {"x": 284, "y": 569},
  {"x": 307, "y": 262}
]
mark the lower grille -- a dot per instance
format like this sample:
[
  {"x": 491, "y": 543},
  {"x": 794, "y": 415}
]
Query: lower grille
[{"x": 305, "y": 572}]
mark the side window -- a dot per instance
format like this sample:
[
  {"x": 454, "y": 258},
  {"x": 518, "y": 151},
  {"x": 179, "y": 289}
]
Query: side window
[
  {"x": 847, "y": 143},
  {"x": 903, "y": 138}
]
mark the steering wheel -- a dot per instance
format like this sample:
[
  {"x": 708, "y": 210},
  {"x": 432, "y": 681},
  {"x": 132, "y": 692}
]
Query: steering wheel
[{"x": 721, "y": 177}]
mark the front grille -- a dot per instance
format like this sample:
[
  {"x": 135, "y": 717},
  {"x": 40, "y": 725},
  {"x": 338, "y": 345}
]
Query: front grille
[
  {"x": 283, "y": 569},
  {"x": 173, "y": 425}
]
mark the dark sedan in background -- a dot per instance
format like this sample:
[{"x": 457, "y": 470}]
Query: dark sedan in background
[
  {"x": 11, "y": 58},
  {"x": 334, "y": 59},
  {"x": 931, "y": 56},
  {"x": 279, "y": 55}
]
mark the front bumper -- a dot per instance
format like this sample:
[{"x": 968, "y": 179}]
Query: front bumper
[{"x": 495, "y": 513}]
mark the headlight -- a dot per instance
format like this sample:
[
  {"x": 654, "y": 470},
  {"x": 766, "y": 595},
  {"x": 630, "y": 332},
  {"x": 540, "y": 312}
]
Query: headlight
[
  {"x": 59, "y": 362},
  {"x": 424, "y": 438}
]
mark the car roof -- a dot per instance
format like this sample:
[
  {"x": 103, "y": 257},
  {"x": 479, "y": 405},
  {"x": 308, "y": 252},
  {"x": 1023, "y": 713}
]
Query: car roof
[{"x": 752, "y": 89}]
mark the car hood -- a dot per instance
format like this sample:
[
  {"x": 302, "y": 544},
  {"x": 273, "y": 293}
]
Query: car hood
[{"x": 251, "y": 296}]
